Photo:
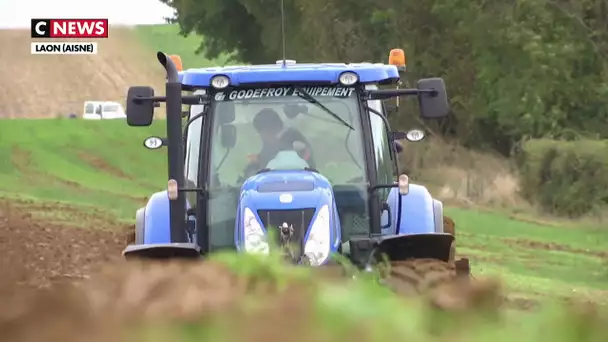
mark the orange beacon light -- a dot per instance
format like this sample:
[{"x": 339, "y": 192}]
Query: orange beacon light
[
  {"x": 398, "y": 59},
  {"x": 177, "y": 60}
]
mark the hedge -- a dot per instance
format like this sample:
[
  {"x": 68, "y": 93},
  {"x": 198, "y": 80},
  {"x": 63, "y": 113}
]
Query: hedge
[{"x": 567, "y": 178}]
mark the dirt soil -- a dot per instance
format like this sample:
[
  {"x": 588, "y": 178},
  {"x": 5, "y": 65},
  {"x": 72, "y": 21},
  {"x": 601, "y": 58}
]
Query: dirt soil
[
  {"x": 74, "y": 284},
  {"x": 38, "y": 254}
]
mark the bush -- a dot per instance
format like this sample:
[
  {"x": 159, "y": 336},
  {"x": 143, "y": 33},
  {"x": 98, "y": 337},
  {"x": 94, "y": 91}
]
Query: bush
[
  {"x": 461, "y": 176},
  {"x": 567, "y": 178}
]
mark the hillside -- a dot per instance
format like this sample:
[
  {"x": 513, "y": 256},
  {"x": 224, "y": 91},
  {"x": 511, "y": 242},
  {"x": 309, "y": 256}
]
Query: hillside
[
  {"x": 39, "y": 86},
  {"x": 74, "y": 162}
]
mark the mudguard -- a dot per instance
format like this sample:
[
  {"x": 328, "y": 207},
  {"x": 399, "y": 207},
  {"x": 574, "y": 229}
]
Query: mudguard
[
  {"x": 163, "y": 251},
  {"x": 418, "y": 231},
  {"x": 156, "y": 219},
  {"x": 438, "y": 215},
  {"x": 139, "y": 226},
  {"x": 417, "y": 246},
  {"x": 153, "y": 234},
  {"x": 416, "y": 209}
]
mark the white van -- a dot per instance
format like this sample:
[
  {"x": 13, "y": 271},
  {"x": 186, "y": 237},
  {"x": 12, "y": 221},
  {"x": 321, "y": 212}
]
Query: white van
[{"x": 98, "y": 110}]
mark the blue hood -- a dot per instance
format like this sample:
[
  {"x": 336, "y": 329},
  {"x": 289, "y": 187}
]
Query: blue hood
[
  {"x": 287, "y": 190},
  {"x": 307, "y": 190}
]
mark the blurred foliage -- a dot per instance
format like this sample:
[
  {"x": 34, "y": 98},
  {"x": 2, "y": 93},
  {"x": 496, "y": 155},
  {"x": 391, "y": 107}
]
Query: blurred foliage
[
  {"x": 515, "y": 69},
  {"x": 568, "y": 178}
]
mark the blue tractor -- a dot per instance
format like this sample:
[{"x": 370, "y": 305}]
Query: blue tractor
[{"x": 303, "y": 150}]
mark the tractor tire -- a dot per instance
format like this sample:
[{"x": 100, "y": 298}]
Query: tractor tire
[
  {"x": 450, "y": 227},
  {"x": 452, "y": 253},
  {"x": 130, "y": 236},
  {"x": 419, "y": 276}
]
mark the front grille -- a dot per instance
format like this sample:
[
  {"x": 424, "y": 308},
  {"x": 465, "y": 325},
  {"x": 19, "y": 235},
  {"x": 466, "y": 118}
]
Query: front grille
[{"x": 291, "y": 240}]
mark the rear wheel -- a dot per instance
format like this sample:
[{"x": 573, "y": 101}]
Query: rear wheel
[
  {"x": 450, "y": 227},
  {"x": 418, "y": 276},
  {"x": 452, "y": 258},
  {"x": 130, "y": 235}
]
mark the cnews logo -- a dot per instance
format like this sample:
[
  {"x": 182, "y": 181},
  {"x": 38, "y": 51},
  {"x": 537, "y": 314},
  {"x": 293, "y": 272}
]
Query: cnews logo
[{"x": 69, "y": 28}]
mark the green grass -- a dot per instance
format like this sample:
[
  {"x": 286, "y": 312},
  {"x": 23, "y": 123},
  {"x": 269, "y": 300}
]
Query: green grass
[
  {"x": 536, "y": 260},
  {"x": 305, "y": 308},
  {"x": 103, "y": 164},
  {"x": 92, "y": 163},
  {"x": 166, "y": 38}
]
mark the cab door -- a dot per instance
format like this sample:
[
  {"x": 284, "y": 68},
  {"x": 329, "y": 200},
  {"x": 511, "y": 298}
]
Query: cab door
[{"x": 384, "y": 158}]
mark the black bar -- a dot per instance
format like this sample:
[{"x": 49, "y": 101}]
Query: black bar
[
  {"x": 376, "y": 187},
  {"x": 177, "y": 207},
  {"x": 383, "y": 94},
  {"x": 176, "y": 160},
  {"x": 140, "y": 99},
  {"x": 195, "y": 99}
]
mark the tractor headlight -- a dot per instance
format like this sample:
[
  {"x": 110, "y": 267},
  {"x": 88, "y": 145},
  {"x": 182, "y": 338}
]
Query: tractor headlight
[
  {"x": 220, "y": 82},
  {"x": 348, "y": 78},
  {"x": 255, "y": 239},
  {"x": 318, "y": 245}
]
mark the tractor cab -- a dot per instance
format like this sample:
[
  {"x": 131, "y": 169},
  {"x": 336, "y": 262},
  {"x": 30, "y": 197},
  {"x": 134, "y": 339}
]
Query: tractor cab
[
  {"x": 265, "y": 142},
  {"x": 302, "y": 150}
]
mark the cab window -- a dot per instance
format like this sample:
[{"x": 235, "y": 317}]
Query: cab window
[
  {"x": 193, "y": 144},
  {"x": 382, "y": 149}
]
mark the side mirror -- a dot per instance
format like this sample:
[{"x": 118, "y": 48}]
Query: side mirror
[
  {"x": 140, "y": 112},
  {"x": 227, "y": 114},
  {"x": 228, "y": 136},
  {"x": 386, "y": 216},
  {"x": 433, "y": 105}
]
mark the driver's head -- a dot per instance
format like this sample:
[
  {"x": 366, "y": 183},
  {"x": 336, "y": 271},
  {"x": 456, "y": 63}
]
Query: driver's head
[{"x": 268, "y": 123}]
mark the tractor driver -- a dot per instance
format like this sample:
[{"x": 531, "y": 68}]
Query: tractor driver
[{"x": 275, "y": 138}]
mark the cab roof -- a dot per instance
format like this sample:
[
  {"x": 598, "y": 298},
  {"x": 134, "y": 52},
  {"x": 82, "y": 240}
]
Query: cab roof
[{"x": 321, "y": 73}]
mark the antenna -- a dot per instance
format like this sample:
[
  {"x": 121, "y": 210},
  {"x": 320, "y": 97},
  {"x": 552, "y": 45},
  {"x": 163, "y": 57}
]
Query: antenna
[{"x": 283, "y": 32}]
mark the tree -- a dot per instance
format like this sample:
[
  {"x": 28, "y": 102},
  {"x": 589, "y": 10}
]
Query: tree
[{"x": 514, "y": 69}]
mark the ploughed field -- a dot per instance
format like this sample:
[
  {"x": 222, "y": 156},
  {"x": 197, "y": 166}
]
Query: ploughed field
[{"x": 66, "y": 207}]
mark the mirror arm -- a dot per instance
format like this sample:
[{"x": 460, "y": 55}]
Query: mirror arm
[
  {"x": 186, "y": 99},
  {"x": 142, "y": 99},
  {"x": 384, "y": 94},
  {"x": 374, "y": 188}
]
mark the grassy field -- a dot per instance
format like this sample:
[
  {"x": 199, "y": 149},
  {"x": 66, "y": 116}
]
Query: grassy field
[
  {"x": 80, "y": 162},
  {"x": 104, "y": 164},
  {"x": 536, "y": 261}
]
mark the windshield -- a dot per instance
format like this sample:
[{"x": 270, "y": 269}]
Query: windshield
[
  {"x": 89, "y": 108},
  {"x": 280, "y": 129}
]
